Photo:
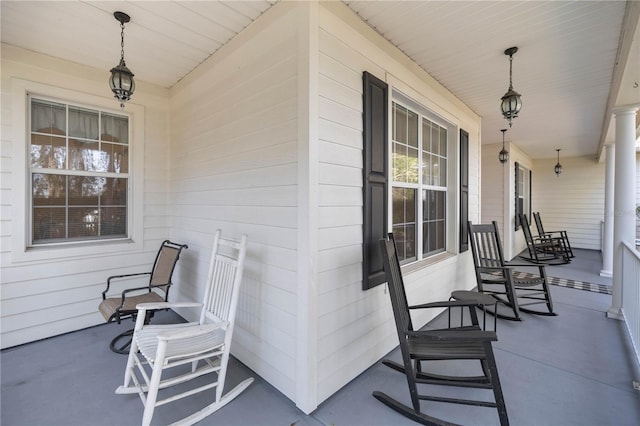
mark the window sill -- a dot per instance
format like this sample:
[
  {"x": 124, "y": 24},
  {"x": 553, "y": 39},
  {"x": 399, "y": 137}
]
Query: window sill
[
  {"x": 425, "y": 263},
  {"x": 84, "y": 249}
]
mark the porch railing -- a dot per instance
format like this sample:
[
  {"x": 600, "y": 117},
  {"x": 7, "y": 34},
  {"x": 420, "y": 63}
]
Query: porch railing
[{"x": 631, "y": 293}]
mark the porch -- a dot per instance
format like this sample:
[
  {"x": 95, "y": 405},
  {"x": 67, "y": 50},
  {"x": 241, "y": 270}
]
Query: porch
[{"x": 576, "y": 368}]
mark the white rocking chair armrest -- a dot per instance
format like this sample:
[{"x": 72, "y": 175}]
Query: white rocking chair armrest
[
  {"x": 190, "y": 331},
  {"x": 166, "y": 305}
]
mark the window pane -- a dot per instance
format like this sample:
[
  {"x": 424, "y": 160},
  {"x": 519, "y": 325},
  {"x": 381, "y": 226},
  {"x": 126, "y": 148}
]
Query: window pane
[
  {"x": 412, "y": 166},
  {"x": 114, "y": 192},
  {"x": 443, "y": 141},
  {"x": 118, "y": 157},
  {"x": 48, "y": 117},
  {"x": 399, "y": 163},
  {"x": 400, "y": 122},
  {"x": 85, "y": 190},
  {"x": 426, "y": 135},
  {"x": 439, "y": 174},
  {"x": 83, "y": 123},
  {"x": 49, "y": 190},
  {"x": 115, "y": 129},
  {"x": 83, "y": 222},
  {"x": 48, "y": 152},
  {"x": 404, "y": 221},
  {"x": 113, "y": 221},
  {"x": 426, "y": 168},
  {"x": 412, "y": 129},
  {"x": 435, "y": 138},
  {"x": 434, "y": 222},
  {"x": 86, "y": 156},
  {"x": 49, "y": 223}
]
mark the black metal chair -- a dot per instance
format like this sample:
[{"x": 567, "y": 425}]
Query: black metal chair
[
  {"x": 115, "y": 309},
  {"x": 541, "y": 249},
  {"x": 553, "y": 234},
  {"x": 515, "y": 289},
  {"x": 418, "y": 347}
]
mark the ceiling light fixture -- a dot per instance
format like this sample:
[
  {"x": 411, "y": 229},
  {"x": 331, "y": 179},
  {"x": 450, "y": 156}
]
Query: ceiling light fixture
[
  {"x": 511, "y": 102},
  {"x": 558, "y": 168},
  {"x": 121, "y": 80},
  {"x": 504, "y": 154}
]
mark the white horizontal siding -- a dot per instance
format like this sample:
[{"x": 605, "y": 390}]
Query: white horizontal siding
[
  {"x": 42, "y": 298},
  {"x": 572, "y": 201},
  {"x": 234, "y": 154},
  {"x": 355, "y": 326},
  {"x": 493, "y": 185}
]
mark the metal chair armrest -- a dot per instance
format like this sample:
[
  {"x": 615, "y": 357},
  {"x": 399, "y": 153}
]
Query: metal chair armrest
[{"x": 114, "y": 277}]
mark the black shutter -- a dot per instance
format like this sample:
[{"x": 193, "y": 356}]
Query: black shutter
[
  {"x": 464, "y": 191},
  {"x": 374, "y": 226}
]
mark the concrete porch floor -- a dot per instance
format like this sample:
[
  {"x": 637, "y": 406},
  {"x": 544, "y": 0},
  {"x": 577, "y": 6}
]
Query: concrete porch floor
[{"x": 573, "y": 369}]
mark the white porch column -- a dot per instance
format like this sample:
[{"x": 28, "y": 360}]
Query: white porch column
[
  {"x": 607, "y": 240},
  {"x": 624, "y": 197}
]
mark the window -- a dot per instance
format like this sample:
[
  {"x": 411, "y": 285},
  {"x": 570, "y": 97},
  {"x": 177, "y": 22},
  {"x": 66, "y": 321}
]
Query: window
[
  {"x": 78, "y": 162},
  {"x": 522, "y": 193},
  {"x": 419, "y": 162}
]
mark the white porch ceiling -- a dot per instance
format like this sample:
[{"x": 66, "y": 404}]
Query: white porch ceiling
[{"x": 565, "y": 68}]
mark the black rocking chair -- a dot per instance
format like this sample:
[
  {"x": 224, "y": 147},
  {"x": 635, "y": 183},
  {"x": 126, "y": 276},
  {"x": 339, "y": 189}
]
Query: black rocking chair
[
  {"x": 418, "y": 347},
  {"x": 115, "y": 309},
  {"x": 543, "y": 249},
  {"x": 515, "y": 289},
  {"x": 553, "y": 234}
]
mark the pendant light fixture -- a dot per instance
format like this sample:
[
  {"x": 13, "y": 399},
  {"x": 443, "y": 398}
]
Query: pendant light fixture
[
  {"x": 558, "y": 168},
  {"x": 504, "y": 154},
  {"x": 121, "y": 80},
  {"x": 511, "y": 102}
]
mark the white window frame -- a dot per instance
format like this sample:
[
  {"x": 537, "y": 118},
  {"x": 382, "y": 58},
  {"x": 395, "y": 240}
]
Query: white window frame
[
  {"x": 452, "y": 178},
  {"x": 22, "y": 248}
]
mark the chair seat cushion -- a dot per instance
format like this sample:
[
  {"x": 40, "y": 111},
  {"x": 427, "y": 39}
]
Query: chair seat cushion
[
  {"x": 109, "y": 306},
  {"x": 147, "y": 340}
]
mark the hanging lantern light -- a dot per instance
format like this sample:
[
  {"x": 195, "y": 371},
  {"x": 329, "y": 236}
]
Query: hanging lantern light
[
  {"x": 511, "y": 102},
  {"x": 558, "y": 168},
  {"x": 121, "y": 80},
  {"x": 504, "y": 154}
]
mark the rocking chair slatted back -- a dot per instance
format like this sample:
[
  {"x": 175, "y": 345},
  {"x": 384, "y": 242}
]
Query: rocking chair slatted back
[
  {"x": 225, "y": 272},
  {"x": 397, "y": 292},
  {"x": 486, "y": 246}
]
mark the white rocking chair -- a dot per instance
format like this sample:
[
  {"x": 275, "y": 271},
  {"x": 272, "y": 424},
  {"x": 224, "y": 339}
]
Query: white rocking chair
[{"x": 156, "y": 348}]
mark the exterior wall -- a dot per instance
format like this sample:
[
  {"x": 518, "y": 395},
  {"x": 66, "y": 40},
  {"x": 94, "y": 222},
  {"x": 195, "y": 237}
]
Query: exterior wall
[
  {"x": 355, "y": 327},
  {"x": 47, "y": 292},
  {"x": 573, "y": 201},
  {"x": 234, "y": 166},
  {"x": 494, "y": 175}
]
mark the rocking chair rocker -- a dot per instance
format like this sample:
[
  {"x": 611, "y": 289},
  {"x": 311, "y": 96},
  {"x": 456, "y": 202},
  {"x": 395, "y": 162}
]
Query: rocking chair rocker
[
  {"x": 419, "y": 347},
  {"x": 156, "y": 348}
]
